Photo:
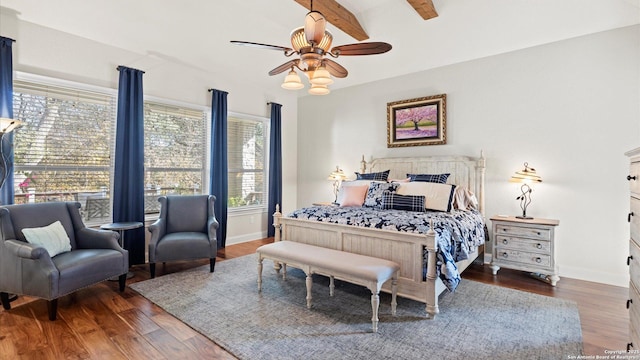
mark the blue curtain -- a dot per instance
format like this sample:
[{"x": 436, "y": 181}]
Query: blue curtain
[
  {"x": 275, "y": 165},
  {"x": 6, "y": 111},
  {"x": 218, "y": 181},
  {"x": 128, "y": 177}
]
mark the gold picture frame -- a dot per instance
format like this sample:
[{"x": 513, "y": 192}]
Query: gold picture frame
[{"x": 417, "y": 122}]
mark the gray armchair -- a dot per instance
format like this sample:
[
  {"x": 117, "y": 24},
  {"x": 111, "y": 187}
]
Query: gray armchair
[
  {"x": 185, "y": 230},
  {"x": 27, "y": 269}
]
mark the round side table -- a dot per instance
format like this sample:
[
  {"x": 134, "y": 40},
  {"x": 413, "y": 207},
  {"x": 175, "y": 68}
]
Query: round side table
[{"x": 121, "y": 227}]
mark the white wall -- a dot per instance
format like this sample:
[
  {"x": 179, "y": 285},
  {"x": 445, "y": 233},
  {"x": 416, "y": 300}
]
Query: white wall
[
  {"x": 570, "y": 109},
  {"x": 43, "y": 51}
]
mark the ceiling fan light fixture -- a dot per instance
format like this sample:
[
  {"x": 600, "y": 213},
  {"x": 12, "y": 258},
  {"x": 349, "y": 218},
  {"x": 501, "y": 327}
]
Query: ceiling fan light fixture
[
  {"x": 292, "y": 81},
  {"x": 321, "y": 76},
  {"x": 319, "y": 89},
  {"x": 299, "y": 40},
  {"x": 314, "y": 27}
]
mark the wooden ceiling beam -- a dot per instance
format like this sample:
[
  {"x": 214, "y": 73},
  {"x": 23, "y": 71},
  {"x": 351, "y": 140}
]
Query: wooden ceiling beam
[
  {"x": 425, "y": 8},
  {"x": 337, "y": 15}
]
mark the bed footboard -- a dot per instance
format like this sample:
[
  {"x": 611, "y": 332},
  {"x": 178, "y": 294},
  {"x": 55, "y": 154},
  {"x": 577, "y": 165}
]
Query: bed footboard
[{"x": 405, "y": 249}]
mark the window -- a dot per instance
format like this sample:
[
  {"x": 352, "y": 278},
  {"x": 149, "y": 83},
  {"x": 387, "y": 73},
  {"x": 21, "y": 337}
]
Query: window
[
  {"x": 174, "y": 151},
  {"x": 62, "y": 153},
  {"x": 247, "y": 144}
]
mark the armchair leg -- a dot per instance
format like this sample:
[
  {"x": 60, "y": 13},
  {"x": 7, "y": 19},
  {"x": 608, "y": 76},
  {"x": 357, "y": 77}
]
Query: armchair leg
[
  {"x": 52, "y": 308},
  {"x": 4, "y": 299},
  {"x": 212, "y": 264},
  {"x": 152, "y": 269},
  {"x": 122, "y": 280}
]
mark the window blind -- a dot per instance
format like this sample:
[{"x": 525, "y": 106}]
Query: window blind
[
  {"x": 247, "y": 140},
  {"x": 175, "y": 149},
  {"x": 64, "y": 146}
]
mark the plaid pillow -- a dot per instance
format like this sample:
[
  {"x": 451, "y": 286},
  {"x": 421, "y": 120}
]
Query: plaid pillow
[
  {"x": 434, "y": 178},
  {"x": 402, "y": 202},
  {"x": 379, "y": 176}
]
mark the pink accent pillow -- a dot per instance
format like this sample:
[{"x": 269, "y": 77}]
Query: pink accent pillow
[{"x": 353, "y": 195}]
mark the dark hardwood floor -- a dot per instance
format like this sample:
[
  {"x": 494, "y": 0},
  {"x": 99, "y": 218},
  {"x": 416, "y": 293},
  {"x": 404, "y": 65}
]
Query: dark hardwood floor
[{"x": 101, "y": 323}]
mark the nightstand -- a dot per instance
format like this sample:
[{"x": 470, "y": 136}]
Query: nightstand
[
  {"x": 525, "y": 244},
  {"x": 320, "y": 203}
]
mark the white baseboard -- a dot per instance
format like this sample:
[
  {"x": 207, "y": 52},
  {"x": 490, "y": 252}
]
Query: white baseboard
[
  {"x": 586, "y": 275},
  {"x": 246, "y": 237}
]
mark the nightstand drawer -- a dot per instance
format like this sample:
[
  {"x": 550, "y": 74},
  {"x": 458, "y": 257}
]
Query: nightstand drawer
[
  {"x": 521, "y": 231},
  {"x": 634, "y": 263},
  {"x": 634, "y": 170},
  {"x": 516, "y": 243},
  {"x": 523, "y": 257},
  {"x": 634, "y": 220},
  {"x": 634, "y": 306}
]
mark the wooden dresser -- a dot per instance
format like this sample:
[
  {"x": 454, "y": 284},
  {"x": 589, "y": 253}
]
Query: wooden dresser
[
  {"x": 633, "y": 303},
  {"x": 525, "y": 244}
]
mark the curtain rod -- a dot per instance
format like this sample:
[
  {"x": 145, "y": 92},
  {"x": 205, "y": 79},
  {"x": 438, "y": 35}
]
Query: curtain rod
[{"x": 126, "y": 67}]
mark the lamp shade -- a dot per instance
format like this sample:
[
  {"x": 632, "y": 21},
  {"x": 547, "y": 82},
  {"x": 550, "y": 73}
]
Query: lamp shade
[
  {"x": 337, "y": 175},
  {"x": 318, "y": 89},
  {"x": 527, "y": 175},
  {"x": 292, "y": 81},
  {"x": 321, "y": 76},
  {"x": 8, "y": 125}
]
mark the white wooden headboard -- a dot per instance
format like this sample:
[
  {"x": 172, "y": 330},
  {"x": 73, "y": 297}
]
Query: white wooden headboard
[{"x": 466, "y": 171}]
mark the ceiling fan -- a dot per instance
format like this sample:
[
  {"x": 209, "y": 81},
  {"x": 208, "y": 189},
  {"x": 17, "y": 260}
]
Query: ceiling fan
[{"x": 312, "y": 43}]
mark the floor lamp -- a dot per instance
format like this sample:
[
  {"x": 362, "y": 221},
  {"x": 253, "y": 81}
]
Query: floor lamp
[{"x": 6, "y": 126}]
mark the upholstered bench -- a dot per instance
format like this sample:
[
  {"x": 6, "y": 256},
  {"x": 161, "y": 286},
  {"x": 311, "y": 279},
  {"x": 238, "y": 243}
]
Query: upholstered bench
[{"x": 354, "y": 268}]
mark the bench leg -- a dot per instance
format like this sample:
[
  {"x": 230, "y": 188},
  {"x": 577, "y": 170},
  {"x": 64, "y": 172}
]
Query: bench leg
[
  {"x": 375, "y": 304},
  {"x": 259, "y": 273},
  {"x": 284, "y": 271},
  {"x": 332, "y": 286},
  {"x": 309, "y": 284},
  {"x": 394, "y": 292}
]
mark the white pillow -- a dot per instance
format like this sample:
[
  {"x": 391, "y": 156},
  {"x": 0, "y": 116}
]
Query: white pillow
[
  {"x": 52, "y": 237},
  {"x": 436, "y": 196}
]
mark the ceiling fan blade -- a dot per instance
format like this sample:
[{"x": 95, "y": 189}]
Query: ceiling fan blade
[
  {"x": 284, "y": 67},
  {"x": 314, "y": 27},
  {"x": 367, "y": 48},
  {"x": 335, "y": 69},
  {"x": 261, "y": 46}
]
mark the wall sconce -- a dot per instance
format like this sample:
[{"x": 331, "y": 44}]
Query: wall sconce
[
  {"x": 526, "y": 177},
  {"x": 337, "y": 176}
]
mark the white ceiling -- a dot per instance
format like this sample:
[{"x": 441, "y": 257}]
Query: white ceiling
[{"x": 196, "y": 33}]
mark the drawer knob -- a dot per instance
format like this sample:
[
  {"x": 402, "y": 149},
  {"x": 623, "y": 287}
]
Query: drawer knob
[
  {"x": 538, "y": 233},
  {"x": 539, "y": 246},
  {"x": 629, "y": 302},
  {"x": 505, "y": 255},
  {"x": 629, "y": 177},
  {"x": 538, "y": 260},
  {"x": 629, "y": 216},
  {"x": 505, "y": 241},
  {"x": 629, "y": 258}
]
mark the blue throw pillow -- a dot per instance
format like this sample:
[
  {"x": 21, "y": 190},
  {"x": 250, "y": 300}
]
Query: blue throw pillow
[
  {"x": 378, "y": 176},
  {"x": 402, "y": 202},
  {"x": 434, "y": 178},
  {"x": 374, "y": 194}
]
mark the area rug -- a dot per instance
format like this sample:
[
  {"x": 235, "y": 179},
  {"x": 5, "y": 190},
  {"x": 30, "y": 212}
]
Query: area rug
[{"x": 478, "y": 321}]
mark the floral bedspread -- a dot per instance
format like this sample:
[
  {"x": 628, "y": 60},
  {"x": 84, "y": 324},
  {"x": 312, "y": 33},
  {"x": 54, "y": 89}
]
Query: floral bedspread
[{"x": 458, "y": 233}]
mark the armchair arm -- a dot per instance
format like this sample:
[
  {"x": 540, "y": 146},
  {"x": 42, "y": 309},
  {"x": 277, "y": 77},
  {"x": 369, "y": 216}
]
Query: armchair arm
[
  {"x": 212, "y": 226},
  {"x": 157, "y": 230},
  {"x": 25, "y": 250},
  {"x": 87, "y": 238}
]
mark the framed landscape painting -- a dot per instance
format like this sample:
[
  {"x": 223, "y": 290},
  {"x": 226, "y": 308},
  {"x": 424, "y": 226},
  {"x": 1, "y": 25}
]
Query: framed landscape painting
[{"x": 417, "y": 122}]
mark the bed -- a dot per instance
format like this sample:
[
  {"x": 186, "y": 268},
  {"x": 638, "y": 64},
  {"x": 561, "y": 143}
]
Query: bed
[{"x": 420, "y": 250}]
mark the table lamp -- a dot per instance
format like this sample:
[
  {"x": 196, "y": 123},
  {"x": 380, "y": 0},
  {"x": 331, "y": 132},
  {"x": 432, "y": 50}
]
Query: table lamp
[
  {"x": 336, "y": 176},
  {"x": 526, "y": 177}
]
